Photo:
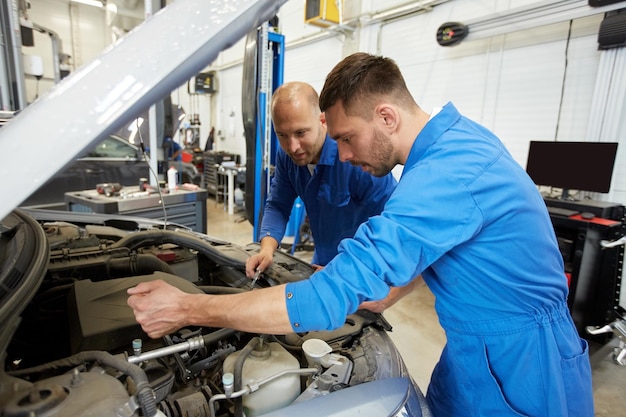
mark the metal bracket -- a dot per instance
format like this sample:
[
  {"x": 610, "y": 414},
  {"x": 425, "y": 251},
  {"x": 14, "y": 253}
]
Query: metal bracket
[{"x": 618, "y": 328}]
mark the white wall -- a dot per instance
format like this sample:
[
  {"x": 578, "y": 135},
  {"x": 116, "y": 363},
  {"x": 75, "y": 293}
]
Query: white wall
[{"x": 82, "y": 31}]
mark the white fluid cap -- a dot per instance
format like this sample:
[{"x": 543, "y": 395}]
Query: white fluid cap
[
  {"x": 316, "y": 348},
  {"x": 319, "y": 352},
  {"x": 228, "y": 379}
]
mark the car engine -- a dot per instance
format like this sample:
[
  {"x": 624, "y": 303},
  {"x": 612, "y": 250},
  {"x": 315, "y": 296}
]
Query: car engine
[{"x": 78, "y": 350}]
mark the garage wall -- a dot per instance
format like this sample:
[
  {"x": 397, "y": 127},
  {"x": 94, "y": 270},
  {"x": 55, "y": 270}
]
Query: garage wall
[
  {"x": 227, "y": 115},
  {"x": 82, "y": 31},
  {"x": 512, "y": 84}
]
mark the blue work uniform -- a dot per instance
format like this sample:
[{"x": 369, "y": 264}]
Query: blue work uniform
[
  {"x": 468, "y": 218},
  {"x": 338, "y": 197}
]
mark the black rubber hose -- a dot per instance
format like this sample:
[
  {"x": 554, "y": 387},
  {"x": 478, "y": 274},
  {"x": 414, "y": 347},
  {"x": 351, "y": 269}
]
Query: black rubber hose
[
  {"x": 159, "y": 237},
  {"x": 238, "y": 372},
  {"x": 217, "y": 336},
  {"x": 145, "y": 394},
  {"x": 140, "y": 264}
]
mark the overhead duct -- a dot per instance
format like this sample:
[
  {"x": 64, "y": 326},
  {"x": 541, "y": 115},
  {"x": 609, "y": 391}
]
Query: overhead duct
[{"x": 399, "y": 12}]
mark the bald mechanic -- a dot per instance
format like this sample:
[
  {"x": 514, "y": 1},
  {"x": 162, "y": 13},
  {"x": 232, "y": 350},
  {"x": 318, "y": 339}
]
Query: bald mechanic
[{"x": 467, "y": 218}]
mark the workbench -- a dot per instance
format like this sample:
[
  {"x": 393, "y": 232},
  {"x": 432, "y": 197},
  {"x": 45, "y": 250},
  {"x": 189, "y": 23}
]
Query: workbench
[
  {"x": 594, "y": 271},
  {"x": 184, "y": 207}
]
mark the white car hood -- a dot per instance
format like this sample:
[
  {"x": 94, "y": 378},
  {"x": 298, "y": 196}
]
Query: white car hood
[{"x": 140, "y": 69}]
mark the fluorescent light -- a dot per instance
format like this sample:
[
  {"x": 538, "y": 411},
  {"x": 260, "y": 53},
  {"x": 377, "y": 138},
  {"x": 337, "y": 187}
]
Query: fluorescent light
[{"x": 94, "y": 3}]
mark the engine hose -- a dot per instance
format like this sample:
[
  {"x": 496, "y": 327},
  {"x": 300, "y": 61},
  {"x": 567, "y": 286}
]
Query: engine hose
[
  {"x": 238, "y": 372},
  {"x": 145, "y": 394},
  {"x": 159, "y": 237},
  {"x": 139, "y": 264}
]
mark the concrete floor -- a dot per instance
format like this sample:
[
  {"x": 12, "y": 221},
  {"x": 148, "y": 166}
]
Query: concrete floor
[{"x": 416, "y": 330}]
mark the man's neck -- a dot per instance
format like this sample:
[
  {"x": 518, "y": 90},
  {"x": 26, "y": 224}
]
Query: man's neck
[{"x": 410, "y": 131}]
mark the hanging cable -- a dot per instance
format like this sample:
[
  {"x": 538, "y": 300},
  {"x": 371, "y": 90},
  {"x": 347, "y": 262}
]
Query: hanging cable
[
  {"x": 558, "y": 120},
  {"x": 154, "y": 174}
]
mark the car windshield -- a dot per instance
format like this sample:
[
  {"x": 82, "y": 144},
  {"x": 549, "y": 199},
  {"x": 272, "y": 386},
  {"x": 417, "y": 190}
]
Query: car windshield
[{"x": 113, "y": 148}]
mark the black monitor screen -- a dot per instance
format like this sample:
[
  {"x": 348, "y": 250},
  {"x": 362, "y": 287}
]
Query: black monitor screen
[{"x": 583, "y": 166}]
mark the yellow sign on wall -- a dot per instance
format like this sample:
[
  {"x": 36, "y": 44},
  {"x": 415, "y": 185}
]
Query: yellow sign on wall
[{"x": 323, "y": 13}]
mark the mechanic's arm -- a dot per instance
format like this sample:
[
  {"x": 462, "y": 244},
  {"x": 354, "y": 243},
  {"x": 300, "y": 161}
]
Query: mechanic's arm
[
  {"x": 275, "y": 217},
  {"x": 262, "y": 260},
  {"x": 395, "y": 294},
  {"x": 161, "y": 309}
]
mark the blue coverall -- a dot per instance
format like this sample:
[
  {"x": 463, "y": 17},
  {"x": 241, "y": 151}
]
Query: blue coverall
[
  {"x": 468, "y": 218},
  {"x": 338, "y": 197}
]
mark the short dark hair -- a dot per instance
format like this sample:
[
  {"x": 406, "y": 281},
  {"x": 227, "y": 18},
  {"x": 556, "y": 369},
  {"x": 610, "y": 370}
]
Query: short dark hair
[{"x": 359, "y": 80}]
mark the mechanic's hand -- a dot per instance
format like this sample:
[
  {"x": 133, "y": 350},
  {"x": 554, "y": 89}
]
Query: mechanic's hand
[
  {"x": 158, "y": 307},
  {"x": 374, "y": 306},
  {"x": 317, "y": 267},
  {"x": 395, "y": 294},
  {"x": 260, "y": 261}
]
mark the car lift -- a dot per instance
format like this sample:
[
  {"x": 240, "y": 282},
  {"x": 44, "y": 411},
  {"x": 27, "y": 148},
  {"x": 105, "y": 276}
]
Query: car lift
[{"x": 265, "y": 50}]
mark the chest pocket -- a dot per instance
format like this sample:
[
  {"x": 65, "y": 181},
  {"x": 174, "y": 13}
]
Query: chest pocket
[{"x": 334, "y": 195}]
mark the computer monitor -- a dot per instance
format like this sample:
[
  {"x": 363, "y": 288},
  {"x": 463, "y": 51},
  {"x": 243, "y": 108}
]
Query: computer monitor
[{"x": 583, "y": 166}]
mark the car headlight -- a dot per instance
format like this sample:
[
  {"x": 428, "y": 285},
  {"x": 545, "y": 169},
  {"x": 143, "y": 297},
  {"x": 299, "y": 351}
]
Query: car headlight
[{"x": 414, "y": 402}]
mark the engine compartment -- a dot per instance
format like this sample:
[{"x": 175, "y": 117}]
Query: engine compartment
[{"x": 78, "y": 350}]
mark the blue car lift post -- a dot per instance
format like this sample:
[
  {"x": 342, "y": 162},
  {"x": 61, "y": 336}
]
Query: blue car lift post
[{"x": 266, "y": 141}]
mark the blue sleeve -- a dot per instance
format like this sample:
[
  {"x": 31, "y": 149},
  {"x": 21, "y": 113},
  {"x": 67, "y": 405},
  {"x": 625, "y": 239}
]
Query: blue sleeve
[{"x": 280, "y": 201}]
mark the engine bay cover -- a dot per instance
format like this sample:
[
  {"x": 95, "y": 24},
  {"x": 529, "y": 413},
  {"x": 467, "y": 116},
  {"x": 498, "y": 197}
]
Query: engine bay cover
[{"x": 100, "y": 318}]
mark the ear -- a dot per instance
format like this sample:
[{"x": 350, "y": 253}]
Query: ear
[
  {"x": 323, "y": 118},
  {"x": 388, "y": 116}
]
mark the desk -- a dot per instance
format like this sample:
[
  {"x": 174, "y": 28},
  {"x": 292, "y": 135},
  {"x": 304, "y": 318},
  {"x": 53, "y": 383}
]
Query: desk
[
  {"x": 595, "y": 272},
  {"x": 184, "y": 207}
]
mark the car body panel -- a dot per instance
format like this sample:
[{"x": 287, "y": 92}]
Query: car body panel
[{"x": 113, "y": 160}]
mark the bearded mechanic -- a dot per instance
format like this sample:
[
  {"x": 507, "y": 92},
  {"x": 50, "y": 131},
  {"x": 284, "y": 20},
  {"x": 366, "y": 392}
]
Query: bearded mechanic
[{"x": 467, "y": 218}]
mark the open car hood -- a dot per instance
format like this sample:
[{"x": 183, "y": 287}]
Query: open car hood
[{"x": 98, "y": 99}]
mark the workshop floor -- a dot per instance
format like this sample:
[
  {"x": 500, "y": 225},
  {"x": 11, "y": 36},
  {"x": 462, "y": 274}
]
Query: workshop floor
[{"x": 416, "y": 330}]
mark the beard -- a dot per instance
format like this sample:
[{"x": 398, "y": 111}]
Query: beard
[
  {"x": 381, "y": 155},
  {"x": 302, "y": 159}
]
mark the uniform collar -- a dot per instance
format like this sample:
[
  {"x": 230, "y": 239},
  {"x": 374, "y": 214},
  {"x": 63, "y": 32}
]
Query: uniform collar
[
  {"x": 329, "y": 152},
  {"x": 431, "y": 131}
]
